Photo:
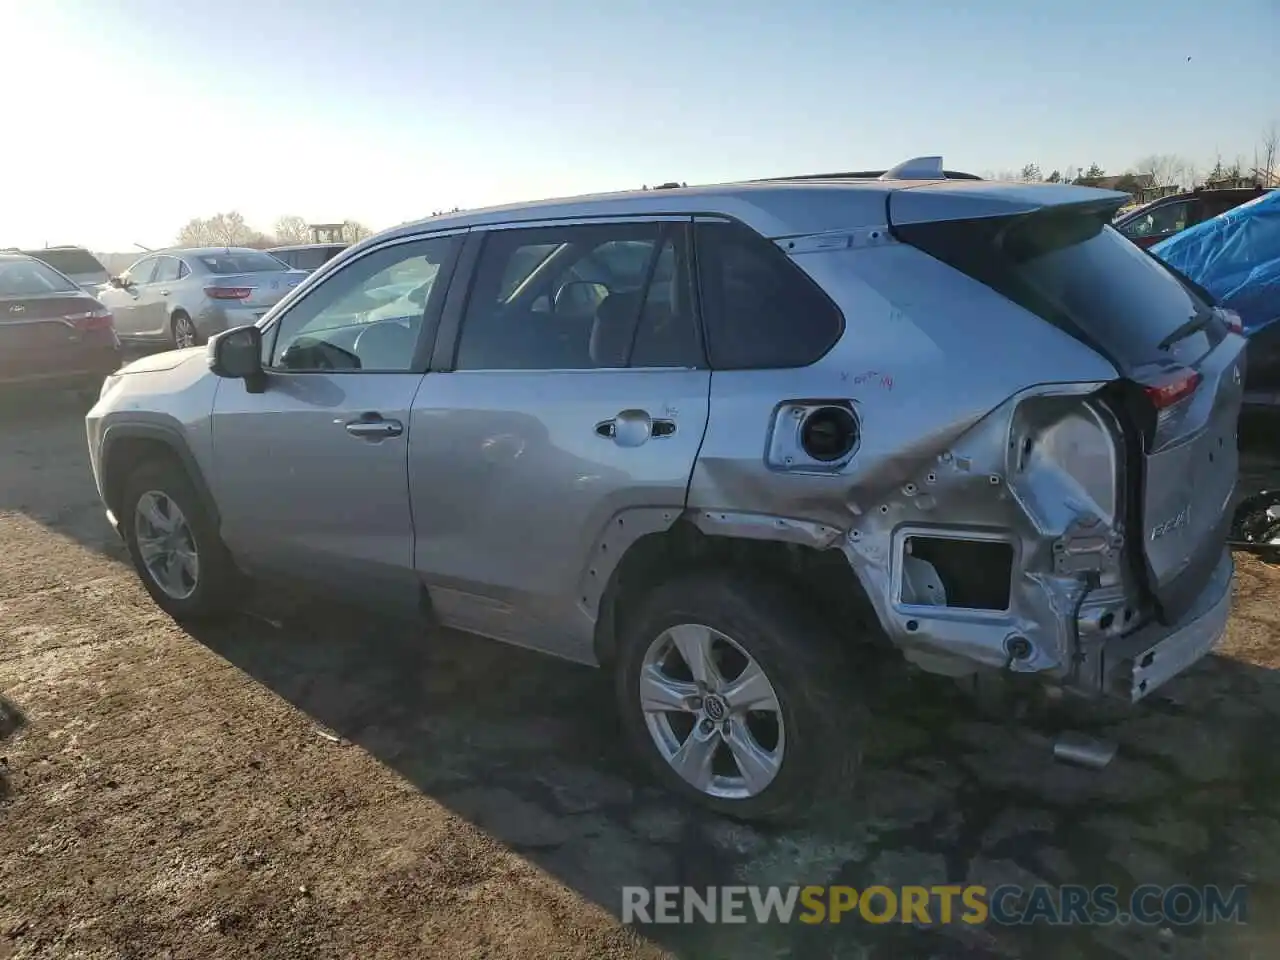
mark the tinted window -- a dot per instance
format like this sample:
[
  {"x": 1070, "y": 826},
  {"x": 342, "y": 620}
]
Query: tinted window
[
  {"x": 71, "y": 262},
  {"x": 367, "y": 316},
  {"x": 581, "y": 297},
  {"x": 26, "y": 278},
  {"x": 167, "y": 270},
  {"x": 142, "y": 271},
  {"x": 760, "y": 310},
  {"x": 249, "y": 261},
  {"x": 1071, "y": 268},
  {"x": 1161, "y": 221}
]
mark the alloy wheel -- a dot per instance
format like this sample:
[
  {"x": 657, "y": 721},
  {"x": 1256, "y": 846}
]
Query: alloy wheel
[
  {"x": 184, "y": 331},
  {"x": 166, "y": 544},
  {"x": 712, "y": 712}
]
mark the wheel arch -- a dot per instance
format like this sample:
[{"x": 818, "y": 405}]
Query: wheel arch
[
  {"x": 126, "y": 445},
  {"x": 796, "y": 555}
]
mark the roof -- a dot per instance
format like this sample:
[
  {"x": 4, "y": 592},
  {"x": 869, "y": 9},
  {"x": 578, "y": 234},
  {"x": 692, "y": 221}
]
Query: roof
[
  {"x": 284, "y": 247},
  {"x": 199, "y": 251},
  {"x": 775, "y": 208}
]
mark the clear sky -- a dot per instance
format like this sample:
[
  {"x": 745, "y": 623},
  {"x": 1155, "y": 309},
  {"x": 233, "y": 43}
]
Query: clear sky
[{"x": 124, "y": 119}]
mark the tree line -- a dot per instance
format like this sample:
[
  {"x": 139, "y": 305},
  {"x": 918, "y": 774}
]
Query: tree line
[
  {"x": 230, "y": 229},
  {"x": 1166, "y": 169}
]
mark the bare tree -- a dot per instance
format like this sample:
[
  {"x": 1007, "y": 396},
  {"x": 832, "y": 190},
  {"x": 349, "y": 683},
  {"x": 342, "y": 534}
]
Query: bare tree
[
  {"x": 354, "y": 231},
  {"x": 196, "y": 233},
  {"x": 292, "y": 229},
  {"x": 1030, "y": 172},
  {"x": 1163, "y": 168},
  {"x": 1267, "y": 166},
  {"x": 229, "y": 229},
  {"x": 1054, "y": 177}
]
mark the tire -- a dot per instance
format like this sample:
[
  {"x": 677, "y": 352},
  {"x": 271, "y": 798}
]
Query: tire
[
  {"x": 816, "y": 694},
  {"x": 213, "y": 589},
  {"x": 179, "y": 319}
]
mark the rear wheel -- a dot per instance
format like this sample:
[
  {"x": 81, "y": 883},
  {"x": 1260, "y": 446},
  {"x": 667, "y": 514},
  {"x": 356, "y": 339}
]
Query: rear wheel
[
  {"x": 174, "y": 543},
  {"x": 183, "y": 331},
  {"x": 738, "y": 697}
]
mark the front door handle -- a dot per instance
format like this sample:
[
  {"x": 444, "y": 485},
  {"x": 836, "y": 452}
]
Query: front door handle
[
  {"x": 374, "y": 427},
  {"x": 630, "y": 428},
  {"x": 164, "y": 293}
]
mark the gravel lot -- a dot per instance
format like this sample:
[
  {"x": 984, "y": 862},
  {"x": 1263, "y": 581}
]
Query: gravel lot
[{"x": 309, "y": 783}]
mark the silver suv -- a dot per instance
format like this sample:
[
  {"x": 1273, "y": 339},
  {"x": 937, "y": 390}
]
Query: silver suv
[{"x": 717, "y": 439}]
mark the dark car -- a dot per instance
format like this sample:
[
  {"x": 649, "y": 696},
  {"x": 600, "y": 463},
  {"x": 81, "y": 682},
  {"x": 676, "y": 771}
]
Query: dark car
[
  {"x": 308, "y": 256},
  {"x": 1155, "y": 221},
  {"x": 75, "y": 262},
  {"x": 52, "y": 333}
]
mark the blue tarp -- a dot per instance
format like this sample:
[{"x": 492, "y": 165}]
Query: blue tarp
[{"x": 1236, "y": 257}]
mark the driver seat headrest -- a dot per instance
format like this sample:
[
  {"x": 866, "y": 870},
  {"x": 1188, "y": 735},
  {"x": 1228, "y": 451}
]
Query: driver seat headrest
[{"x": 611, "y": 331}]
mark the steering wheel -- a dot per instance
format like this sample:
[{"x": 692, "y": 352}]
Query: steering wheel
[{"x": 385, "y": 345}]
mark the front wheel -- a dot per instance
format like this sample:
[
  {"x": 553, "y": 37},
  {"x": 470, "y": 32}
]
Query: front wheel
[
  {"x": 738, "y": 697},
  {"x": 174, "y": 543}
]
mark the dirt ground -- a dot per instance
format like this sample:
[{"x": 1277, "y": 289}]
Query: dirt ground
[{"x": 310, "y": 783}]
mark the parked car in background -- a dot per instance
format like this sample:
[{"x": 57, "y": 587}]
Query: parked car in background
[
  {"x": 721, "y": 441},
  {"x": 52, "y": 333},
  {"x": 181, "y": 297},
  {"x": 1150, "y": 223},
  {"x": 75, "y": 262},
  {"x": 308, "y": 256},
  {"x": 1236, "y": 258}
]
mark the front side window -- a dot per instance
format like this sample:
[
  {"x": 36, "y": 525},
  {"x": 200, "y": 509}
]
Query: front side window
[
  {"x": 368, "y": 316},
  {"x": 29, "y": 278},
  {"x": 760, "y": 310},
  {"x": 580, "y": 298},
  {"x": 1162, "y": 221}
]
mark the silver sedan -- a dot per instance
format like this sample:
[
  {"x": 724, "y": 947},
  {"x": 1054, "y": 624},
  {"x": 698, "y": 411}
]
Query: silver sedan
[{"x": 182, "y": 297}]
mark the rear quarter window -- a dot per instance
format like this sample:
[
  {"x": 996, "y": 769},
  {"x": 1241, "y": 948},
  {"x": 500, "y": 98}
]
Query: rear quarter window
[{"x": 760, "y": 311}]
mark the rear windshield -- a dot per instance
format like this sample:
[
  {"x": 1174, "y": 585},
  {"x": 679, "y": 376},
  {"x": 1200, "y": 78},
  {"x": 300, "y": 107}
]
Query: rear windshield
[
  {"x": 70, "y": 262},
  {"x": 248, "y": 262},
  {"x": 29, "y": 278},
  {"x": 1071, "y": 268}
]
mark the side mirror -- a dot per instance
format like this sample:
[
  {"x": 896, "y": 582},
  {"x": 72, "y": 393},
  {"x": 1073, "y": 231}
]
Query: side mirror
[
  {"x": 579, "y": 296},
  {"x": 237, "y": 355},
  {"x": 119, "y": 282}
]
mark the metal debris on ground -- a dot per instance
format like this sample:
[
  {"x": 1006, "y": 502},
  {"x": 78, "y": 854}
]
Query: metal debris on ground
[{"x": 1256, "y": 525}]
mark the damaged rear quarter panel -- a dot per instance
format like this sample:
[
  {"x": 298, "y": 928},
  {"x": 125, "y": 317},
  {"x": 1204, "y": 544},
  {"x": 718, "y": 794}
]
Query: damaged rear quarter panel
[{"x": 935, "y": 366}]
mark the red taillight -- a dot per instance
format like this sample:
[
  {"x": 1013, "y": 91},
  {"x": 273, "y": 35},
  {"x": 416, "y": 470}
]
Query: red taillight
[
  {"x": 228, "y": 293},
  {"x": 1168, "y": 392},
  {"x": 99, "y": 319}
]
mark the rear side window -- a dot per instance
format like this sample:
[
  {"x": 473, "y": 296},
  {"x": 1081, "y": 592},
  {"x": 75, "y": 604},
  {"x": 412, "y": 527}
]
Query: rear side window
[
  {"x": 71, "y": 261},
  {"x": 1068, "y": 266},
  {"x": 759, "y": 309}
]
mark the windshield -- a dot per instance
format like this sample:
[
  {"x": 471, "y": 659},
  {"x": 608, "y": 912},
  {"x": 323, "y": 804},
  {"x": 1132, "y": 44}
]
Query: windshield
[
  {"x": 30, "y": 278},
  {"x": 249, "y": 261},
  {"x": 71, "y": 262}
]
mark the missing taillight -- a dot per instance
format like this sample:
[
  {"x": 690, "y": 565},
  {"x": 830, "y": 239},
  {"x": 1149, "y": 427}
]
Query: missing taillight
[
  {"x": 228, "y": 293},
  {"x": 1173, "y": 390}
]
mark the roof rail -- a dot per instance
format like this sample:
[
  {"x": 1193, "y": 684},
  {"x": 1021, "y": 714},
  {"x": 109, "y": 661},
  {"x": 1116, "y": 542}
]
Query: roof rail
[{"x": 918, "y": 168}]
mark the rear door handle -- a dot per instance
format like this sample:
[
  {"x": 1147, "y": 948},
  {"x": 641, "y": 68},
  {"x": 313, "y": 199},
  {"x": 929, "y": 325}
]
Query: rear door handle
[
  {"x": 374, "y": 427},
  {"x": 630, "y": 428}
]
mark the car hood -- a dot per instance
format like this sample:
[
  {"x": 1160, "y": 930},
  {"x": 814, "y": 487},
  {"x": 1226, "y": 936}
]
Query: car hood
[{"x": 169, "y": 360}]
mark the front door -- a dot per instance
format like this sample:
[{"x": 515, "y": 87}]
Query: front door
[
  {"x": 311, "y": 474},
  {"x": 578, "y": 397}
]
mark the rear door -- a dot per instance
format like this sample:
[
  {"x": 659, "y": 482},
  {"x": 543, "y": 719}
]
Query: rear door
[
  {"x": 128, "y": 302},
  {"x": 1065, "y": 264},
  {"x": 576, "y": 394}
]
